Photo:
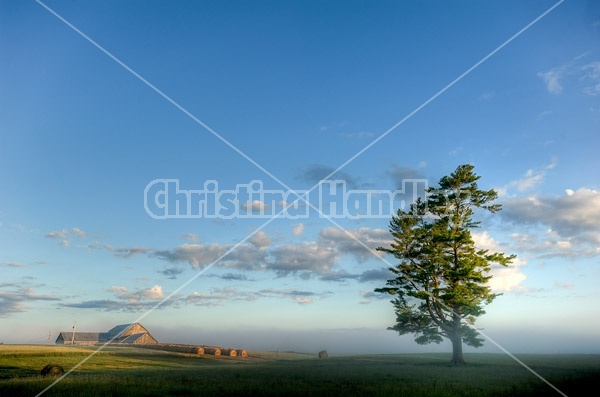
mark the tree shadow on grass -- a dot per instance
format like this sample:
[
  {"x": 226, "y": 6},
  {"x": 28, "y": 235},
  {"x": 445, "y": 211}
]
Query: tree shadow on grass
[{"x": 10, "y": 372}]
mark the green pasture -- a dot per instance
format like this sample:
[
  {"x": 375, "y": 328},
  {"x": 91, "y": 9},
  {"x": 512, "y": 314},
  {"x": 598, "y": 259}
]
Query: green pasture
[{"x": 129, "y": 371}]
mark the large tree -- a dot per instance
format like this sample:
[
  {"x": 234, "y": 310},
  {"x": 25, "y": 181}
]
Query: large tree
[{"x": 440, "y": 284}]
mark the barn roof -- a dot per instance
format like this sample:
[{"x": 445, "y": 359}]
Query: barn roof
[
  {"x": 82, "y": 336},
  {"x": 117, "y": 330},
  {"x": 132, "y": 338}
]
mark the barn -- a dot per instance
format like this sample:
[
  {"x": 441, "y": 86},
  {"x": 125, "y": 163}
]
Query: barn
[
  {"x": 81, "y": 338},
  {"x": 125, "y": 333}
]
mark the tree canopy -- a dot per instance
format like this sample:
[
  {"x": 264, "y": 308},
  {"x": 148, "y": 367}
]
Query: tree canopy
[{"x": 441, "y": 283}]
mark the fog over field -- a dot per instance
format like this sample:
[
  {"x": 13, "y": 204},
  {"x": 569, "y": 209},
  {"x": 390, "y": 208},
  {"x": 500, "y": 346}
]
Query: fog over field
[{"x": 376, "y": 341}]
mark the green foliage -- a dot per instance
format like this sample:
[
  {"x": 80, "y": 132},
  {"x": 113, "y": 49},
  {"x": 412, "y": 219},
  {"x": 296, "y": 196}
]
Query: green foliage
[{"x": 441, "y": 279}]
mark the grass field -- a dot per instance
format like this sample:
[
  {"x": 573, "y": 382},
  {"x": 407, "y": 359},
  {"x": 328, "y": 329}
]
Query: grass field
[{"x": 127, "y": 371}]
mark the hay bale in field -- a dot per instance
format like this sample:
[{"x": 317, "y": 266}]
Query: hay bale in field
[
  {"x": 198, "y": 349},
  {"x": 229, "y": 352},
  {"x": 212, "y": 350},
  {"x": 323, "y": 354},
  {"x": 52, "y": 370},
  {"x": 185, "y": 349}
]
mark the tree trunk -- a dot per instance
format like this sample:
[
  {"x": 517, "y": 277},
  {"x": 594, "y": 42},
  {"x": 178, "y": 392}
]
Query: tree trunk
[{"x": 457, "y": 351}]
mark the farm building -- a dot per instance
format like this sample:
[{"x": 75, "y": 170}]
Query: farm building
[
  {"x": 81, "y": 338},
  {"x": 125, "y": 333}
]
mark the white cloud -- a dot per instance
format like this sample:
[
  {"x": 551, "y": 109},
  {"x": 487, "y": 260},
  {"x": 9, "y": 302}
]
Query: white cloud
[
  {"x": 504, "y": 279},
  {"x": 299, "y": 296},
  {"x": 305, "y": 259},
  {"x": 532, "y": 178},
  {"x": 153, "y": 293},
  {"x": 125, "y": 252},
  {"x": 255, "y": 206},
  {"x": 574, "y": 73},
  {"x": 349, "y": 241},
  {"x": 260, "y": 239},
  {"x": 12, "y": 264},
  {"x": 63, "y": 234},
  {"x": 484, "y": 241},
  {"x": 118, "y": 290},
  {"x": 126, "y": 300},
  {"x": 58, "y": 234},
  {"x": 220, "y": 296},
  {"x": 191, "y": 237},
  {"x": 144, "y": 299},
  {"x": 571, "y": 223},
  {"x": 552, "y": 79},
  {"x": 298, "y": 229},
  {"x": 244, "y": 256},
  {"x": 156, "y": 292},
  {"x": 247, "y": 257},
  {"x": 14, "y": 299},
  {"x": 197, "y": 255},
  {"x": 303, "y": 300},
  {"x": 80, "y": 233},
  {"x": 591, "y": 75}
]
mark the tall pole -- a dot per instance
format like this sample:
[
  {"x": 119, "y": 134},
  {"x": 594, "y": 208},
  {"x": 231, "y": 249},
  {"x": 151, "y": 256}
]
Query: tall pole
[{"x": 73, "y": 334}]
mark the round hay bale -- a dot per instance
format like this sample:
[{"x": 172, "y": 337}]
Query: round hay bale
[
  {"x": 191, "y": 350},
  {"x": 228, "y": 352},
  {"x": 323, "y": 354},
  {"x": 242, "y": 353},
  {"x": 199, "y": 350},
  {"x": 215, "y": 351},
  {"x": 52, "y": 370}
]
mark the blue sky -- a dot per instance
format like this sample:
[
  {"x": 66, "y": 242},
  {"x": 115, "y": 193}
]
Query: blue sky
[{"x": 299, "y": 88}]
